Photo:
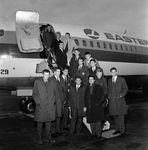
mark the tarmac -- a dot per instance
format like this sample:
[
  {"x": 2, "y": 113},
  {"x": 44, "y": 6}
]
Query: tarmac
[{"x": 18, "y": 130}]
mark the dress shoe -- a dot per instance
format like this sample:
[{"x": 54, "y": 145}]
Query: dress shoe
[
  {"x": 116, "y": 132},
  {"x": 39, "y": 142}
]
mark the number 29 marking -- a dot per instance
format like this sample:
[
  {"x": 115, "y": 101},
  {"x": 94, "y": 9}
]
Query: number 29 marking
[{"x": 4, "y": 71}]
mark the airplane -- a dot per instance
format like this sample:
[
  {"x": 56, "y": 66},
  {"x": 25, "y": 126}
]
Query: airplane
[{"x": 21, "y": 62}]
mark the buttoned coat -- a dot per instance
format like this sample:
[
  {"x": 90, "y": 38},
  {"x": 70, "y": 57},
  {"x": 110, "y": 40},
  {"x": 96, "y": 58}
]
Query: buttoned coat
[
  {"x": 83, "y": 73},
  {"x": 59, "y": 97},
  {"x": 65, "y": 88},
  {"x": 44, "y": 96},
  {"x": 76, "y": 99},
  {"x": 93, "y": 103},
  {"x": 116, "y": 93}
]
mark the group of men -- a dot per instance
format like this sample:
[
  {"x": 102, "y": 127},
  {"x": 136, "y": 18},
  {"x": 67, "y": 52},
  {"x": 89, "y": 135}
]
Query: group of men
[{"x": 77, "y": 91}]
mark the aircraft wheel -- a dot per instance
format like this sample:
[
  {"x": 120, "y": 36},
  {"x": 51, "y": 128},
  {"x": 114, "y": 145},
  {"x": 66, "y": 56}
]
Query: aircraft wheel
[{"x": 29, "y": 106}]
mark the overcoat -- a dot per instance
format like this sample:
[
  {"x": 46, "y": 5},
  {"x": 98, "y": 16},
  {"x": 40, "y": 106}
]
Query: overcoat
[
  {"x": 44, "y": 96},
  {"x": 102, "y": 82},
  {"x": 76, "y": 99},
  {"x": 93, "y": 103},
  {"x": 61, "y": 58},
  {"x": 71, "y": 46},
  {"x": 116, "y": 93},
  {"x": 73, "y": 65},
  {"x": 83, "y": 73},
  {"x": 59, "y": 97},
  {"x": 65, "y": 88}
]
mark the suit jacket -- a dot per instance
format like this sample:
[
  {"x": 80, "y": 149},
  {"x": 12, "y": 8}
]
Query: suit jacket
[
  {"x": 116, "y": 93},
  {"x": 83, "y": 73},
  {"x": 93, "y": 101},
  {"x": 60, "y": 96},
  {"x": 76, "y": 99},
  {"x": 73, "y": 65},
  {"x": 45, "y": 98},
  {"x": 91, "y": 72},
  {"x": 55, "y": 45},
  {"x": 61, "y": 58},
  {"x": 71, "y": 46},
  {"x": 88, "y": 63},
  {"x": 48, "y": 38},
  {"x": 65, "y": 89}
]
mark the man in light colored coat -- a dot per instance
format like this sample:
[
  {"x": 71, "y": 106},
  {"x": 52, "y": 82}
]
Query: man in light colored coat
[
  {"x": 44, "y": 95},
  {"x": 117, "y": 89},
  {"x": 69, "y": 46}
]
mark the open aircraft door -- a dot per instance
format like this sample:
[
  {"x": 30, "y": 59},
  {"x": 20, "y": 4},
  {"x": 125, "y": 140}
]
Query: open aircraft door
[{"x": 27, "y": 32}]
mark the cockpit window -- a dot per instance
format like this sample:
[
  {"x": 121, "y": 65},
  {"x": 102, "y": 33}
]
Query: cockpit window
[{"x": 2, "y": 33}]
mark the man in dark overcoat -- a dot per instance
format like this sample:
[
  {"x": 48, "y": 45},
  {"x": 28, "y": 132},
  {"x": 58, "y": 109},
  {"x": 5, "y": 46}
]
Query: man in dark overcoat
[
  {"x": 44, "y": 95},
  {"x": 59, "y": 100},
  {"x": 82, "y": 71},
  {"x": 117, "y": 89},
  {"x": 61, "y": 57},
  {"x": 74, "y": 63},
  {"x": 94, "y": 96},
  {"x": 67, "y": 81},
  {"x": 76, "y": 105}
]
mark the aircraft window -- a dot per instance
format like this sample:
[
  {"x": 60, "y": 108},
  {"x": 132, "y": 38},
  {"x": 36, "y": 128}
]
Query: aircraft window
[
  {"x": 98, "y": 44},
  {"x": 104, "y": 45},
  {"x": 84, "y": 43},
  {"x": 91, "y": 44},
  {"x": 77, "y": 42},
  {"x": 116, "y": 47},
  {"x": 2, "y": 33},
  {"x": 121, "y": 47},
  {"x": 110, "y": 46},
  {"x": 131, "y": 48},
  {"x": 126, "y": 48},
  {"x": 135, "y": 49}
]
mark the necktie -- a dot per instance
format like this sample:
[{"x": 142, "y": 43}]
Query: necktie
[
  {"x": 113, "y": 80},
  {"x": 79, "y": 68},
  {"x": 65, "y": 80},
  {"x": 77, "y": 87}
]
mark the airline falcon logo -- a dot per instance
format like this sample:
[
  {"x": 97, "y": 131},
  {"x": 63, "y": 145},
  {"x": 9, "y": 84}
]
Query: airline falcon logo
[{"x": 91, "y": 33}]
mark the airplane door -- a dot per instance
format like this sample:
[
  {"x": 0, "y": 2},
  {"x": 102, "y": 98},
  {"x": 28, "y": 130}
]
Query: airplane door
[{"x": 27, "y": 32}]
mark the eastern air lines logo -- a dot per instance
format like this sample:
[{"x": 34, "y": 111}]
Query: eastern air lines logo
[{"x": 91, "y": 33}]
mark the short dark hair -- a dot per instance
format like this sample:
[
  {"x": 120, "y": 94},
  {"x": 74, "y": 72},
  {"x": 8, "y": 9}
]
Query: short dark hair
[
  {"x": 99, "y": 70},
  {"x": 78, "y": 77},
  {"x": 113, "y": 68},
  {"x": 81, "y": 58},
  {"x": 86, "y": 53},
  {"x": 56, "y": 68},
  {"x": 67, "y": 33},
  {"x": 45, "y": 71},
  {"x": 92, "y": 76},
  {"x": 66, "y": 67},
  {"x": 93, "y": 60}
]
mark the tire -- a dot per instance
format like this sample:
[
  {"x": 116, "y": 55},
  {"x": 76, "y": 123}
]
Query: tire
[{"x": 29, "y": 106}]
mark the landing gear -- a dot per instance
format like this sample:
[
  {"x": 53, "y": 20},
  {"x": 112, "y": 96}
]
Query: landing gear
[{"x": 27, "y": 106}]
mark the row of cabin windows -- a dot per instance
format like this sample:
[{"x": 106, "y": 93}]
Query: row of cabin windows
[{"x": 117, "y": 47}]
